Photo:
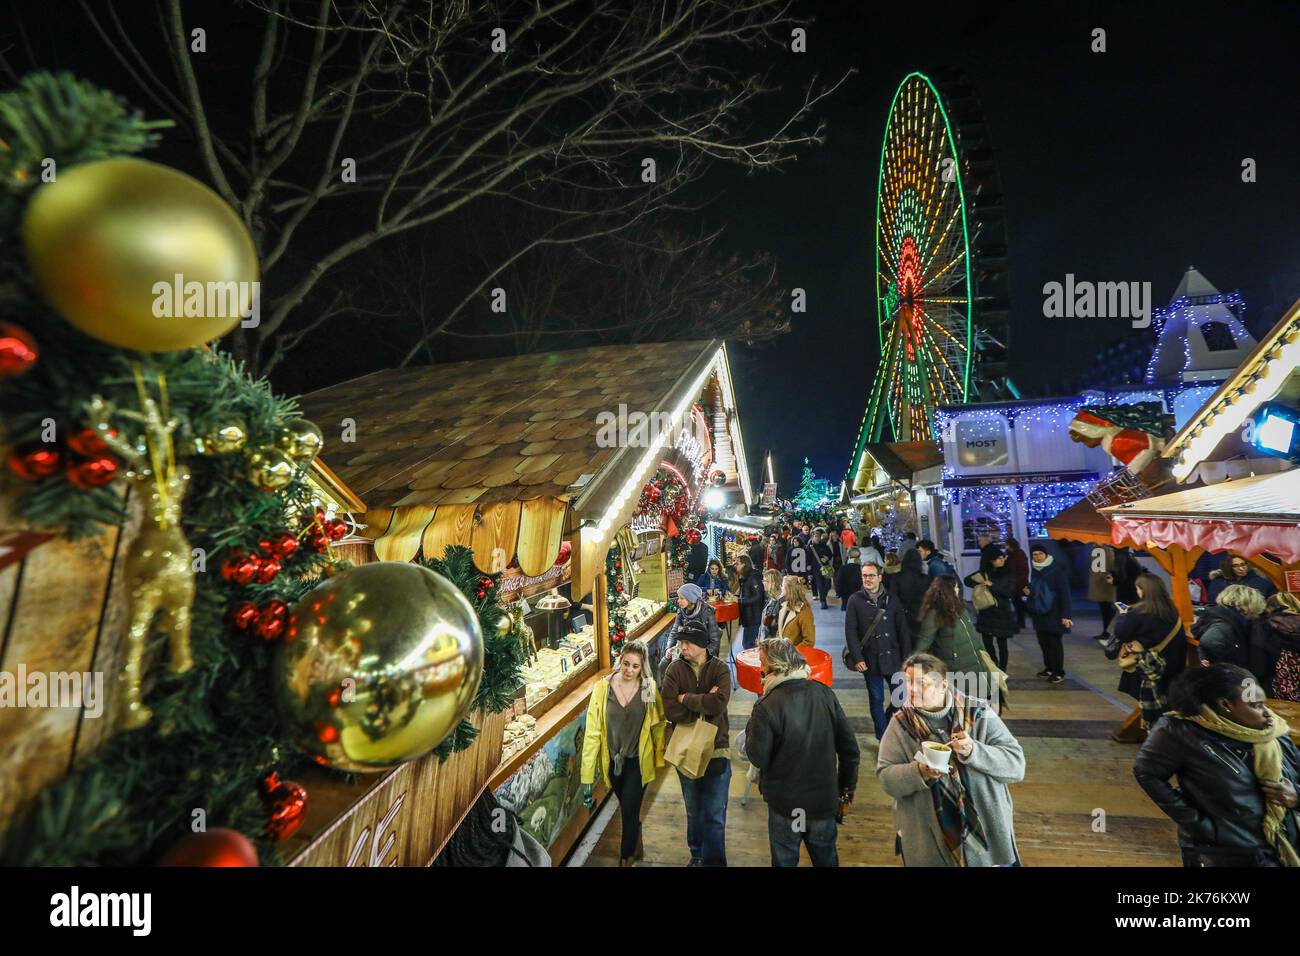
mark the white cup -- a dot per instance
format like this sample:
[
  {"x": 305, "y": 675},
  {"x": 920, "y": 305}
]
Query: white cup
[{"x": 936, "y": 755}]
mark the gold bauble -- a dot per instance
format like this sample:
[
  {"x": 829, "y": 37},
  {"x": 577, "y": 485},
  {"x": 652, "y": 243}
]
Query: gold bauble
[
  {"x": 300, "y": 439},
  {"x": 221, "y": 437},
  {"x": 270, "y": 469},
  {"x": 377, "y": 666},
  {"x": 107, "y": 239}
]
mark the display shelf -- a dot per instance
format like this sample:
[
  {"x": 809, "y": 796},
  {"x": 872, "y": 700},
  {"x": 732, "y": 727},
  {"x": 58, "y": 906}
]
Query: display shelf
[{"x": 556, "y": 717}]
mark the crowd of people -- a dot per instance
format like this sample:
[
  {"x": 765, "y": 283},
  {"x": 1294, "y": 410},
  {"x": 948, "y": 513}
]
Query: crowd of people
[{"x": 1215, "y": 758}]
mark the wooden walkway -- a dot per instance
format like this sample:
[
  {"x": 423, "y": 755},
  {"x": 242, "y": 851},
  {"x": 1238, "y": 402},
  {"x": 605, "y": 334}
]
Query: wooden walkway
[{"x": 1078, "y": 805}]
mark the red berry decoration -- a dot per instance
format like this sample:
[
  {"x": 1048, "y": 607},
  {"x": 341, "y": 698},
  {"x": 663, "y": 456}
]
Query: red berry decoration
[
  {"x": 272, "y": 618},
  {"x": 216, "y": 847},
  {"x": 90, "y": 443},
  {"x": 18, "y": 350},
  {"x": 243, "y": 616},
  {"x": 281, "y": 546},
  {"x": 326, "y": 732},
  {"x": 240, "y": 568},
  {"x": 94, "y": 472},
  {"x": 287, "y": 802},
  {"x": 267, "y": 569},
  {"x": 34, "y": 462}
]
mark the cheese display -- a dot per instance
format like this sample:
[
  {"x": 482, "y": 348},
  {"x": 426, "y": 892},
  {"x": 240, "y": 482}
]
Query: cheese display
[{"x": 555, "y": 666}]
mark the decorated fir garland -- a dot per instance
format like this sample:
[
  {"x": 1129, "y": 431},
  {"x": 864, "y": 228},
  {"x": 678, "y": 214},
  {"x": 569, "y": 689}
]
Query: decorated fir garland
[
  {"x": 109, "y": 410},
  {"x": 615, "y": 599}
]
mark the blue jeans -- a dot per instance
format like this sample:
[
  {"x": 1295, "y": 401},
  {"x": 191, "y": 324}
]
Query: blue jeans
[
  {"x": 749, "y": 635},
  {"x": 706, "y": 813},
  {"x": 881, "y": 711},
  {"x": 818, "y": 833}
]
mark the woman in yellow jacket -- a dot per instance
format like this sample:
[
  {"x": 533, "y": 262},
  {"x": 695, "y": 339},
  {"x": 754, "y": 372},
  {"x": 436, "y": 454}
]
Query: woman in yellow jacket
[
  {"x": 795, "y": 621},
  {"x": 625, "y": 720}
]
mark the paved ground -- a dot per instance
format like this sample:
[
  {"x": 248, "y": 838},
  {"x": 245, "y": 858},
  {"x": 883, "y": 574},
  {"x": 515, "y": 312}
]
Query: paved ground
[{"x": 1078, "y": 805}]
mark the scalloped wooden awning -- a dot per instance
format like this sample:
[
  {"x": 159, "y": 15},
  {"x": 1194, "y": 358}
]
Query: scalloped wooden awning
[{"x": 488, "y": 453}]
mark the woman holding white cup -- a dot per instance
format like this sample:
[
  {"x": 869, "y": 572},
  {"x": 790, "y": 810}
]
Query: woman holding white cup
[{"x": 947, "y": 761}]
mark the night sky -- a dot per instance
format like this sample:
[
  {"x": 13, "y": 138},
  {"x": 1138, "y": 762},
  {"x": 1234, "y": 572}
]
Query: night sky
[{"x": 1118, "y": 166}]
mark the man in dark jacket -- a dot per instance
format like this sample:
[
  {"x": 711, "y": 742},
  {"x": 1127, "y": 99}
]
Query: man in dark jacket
[
  {"x": 849, "y": 580},
  {"x": 697, "y": 559},
  {"x": 935, "y": 565},
  {"x": 697, "y": 686},
  {"x": 1018, "y": 562},
  {"x": 796, "y": 735},
  {"x": 825, "y": 559},
  {"x": 756, "y": 550},
  {"x": 751, "y": 596},
  {"x": 875, "y": 630}
]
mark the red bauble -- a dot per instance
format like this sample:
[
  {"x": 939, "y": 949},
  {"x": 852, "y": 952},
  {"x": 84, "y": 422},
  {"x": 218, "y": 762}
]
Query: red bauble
[
  {"x": 34, "y": 462},
  {"x": 18, "y": 350},
  {"x": 566, "y": 551},
  {"x": 242, "y": 616},
  {"x": 653, "y": 494},
  {"x": 240, "y": 568},
  {"x": 281, "y": 546},
  {"x": 318, "y": 542},
  {"x": 326, "y": 732},
  {"x": 272, "y": 619},
  {"x": 287, "y": 802},
  {"x": 90, "y": 443},
  {"x": 216, "y": 847},
  {"x": 267, "y": 569},
  {"x": 336, "y": 529},
  {"x": 94, "y": 472}
]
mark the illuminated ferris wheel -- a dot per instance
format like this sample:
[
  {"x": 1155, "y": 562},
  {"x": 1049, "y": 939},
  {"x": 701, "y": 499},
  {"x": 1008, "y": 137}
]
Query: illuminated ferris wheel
[{"x": 933, "y": 350}]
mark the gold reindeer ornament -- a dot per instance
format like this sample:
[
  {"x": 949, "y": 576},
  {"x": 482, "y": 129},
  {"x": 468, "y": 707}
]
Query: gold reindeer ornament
[{"x": 158, "y": 566}]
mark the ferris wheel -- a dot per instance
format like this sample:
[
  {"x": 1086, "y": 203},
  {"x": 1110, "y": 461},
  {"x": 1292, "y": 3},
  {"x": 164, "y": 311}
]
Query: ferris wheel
[{"x": 941, "y": 341}]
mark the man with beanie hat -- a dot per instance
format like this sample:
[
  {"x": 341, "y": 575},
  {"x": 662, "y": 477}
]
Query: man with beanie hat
[{"x": 697, "y": 686}]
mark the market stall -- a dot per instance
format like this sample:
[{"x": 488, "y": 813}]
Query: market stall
[{"x": 570, "y": 474}]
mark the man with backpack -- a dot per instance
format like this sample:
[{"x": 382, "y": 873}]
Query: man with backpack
[
  {"x": 1049, "y": 605},
  {"x": 935, "y": 565}
]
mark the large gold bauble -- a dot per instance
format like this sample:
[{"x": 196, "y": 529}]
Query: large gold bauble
[
  {"x": 378, "y": 665},
  {"x": 104, "y": 234},
  {"x": 270, "y": 469},
  {"x": 300, "y": 439}
]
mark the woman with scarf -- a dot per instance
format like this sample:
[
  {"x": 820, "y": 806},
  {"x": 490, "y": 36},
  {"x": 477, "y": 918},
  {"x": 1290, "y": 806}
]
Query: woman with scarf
[
  {"x": 1153, "y": 648},
  {"x": 1236, "y": 800},
  {"x": 691, "y": 606},
  {"x": 624, "y": 742},
  {"x": 962, "y": 816},
  {"x": 774, "y": 556},
  {"x": 772, "y": 607},
  {"x": 1048, "y": 594},
  {"x": 1281, "y": 629}
]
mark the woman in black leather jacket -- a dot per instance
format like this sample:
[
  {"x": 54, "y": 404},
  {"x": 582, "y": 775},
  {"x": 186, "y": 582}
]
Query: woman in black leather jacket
[{"x": 1236, "y": 800}]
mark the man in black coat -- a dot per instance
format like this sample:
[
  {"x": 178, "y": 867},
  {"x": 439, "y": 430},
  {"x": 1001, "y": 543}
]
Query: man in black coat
[
  {"x": 849, "y": 579},
  {"x": 803, "y": 746},
  {"x": 878, "y": 639}
]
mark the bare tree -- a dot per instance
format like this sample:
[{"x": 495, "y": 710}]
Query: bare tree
[{"x": 442, "y": 106}]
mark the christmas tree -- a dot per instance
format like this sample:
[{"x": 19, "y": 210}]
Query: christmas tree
[{"x": 812, "y": 490}]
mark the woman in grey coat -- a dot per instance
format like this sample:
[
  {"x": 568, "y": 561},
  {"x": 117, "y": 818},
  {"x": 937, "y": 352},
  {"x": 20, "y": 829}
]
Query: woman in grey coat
[{"x": 961, "y": 816}]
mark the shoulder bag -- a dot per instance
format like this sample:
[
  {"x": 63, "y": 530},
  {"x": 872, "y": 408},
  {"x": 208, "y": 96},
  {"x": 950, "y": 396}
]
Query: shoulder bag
[
  {"x": 982, "y": 595},
  {"x": 1131, "y": 653},
  {"x": 998, "y": 674},
  {"x": 846, "y": 655}
]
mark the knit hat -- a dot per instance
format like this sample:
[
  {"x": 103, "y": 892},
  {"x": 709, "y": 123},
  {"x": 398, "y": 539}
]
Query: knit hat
[
  {"x": 692, "y": 592},
  {"x": 693, "y": 632}
]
